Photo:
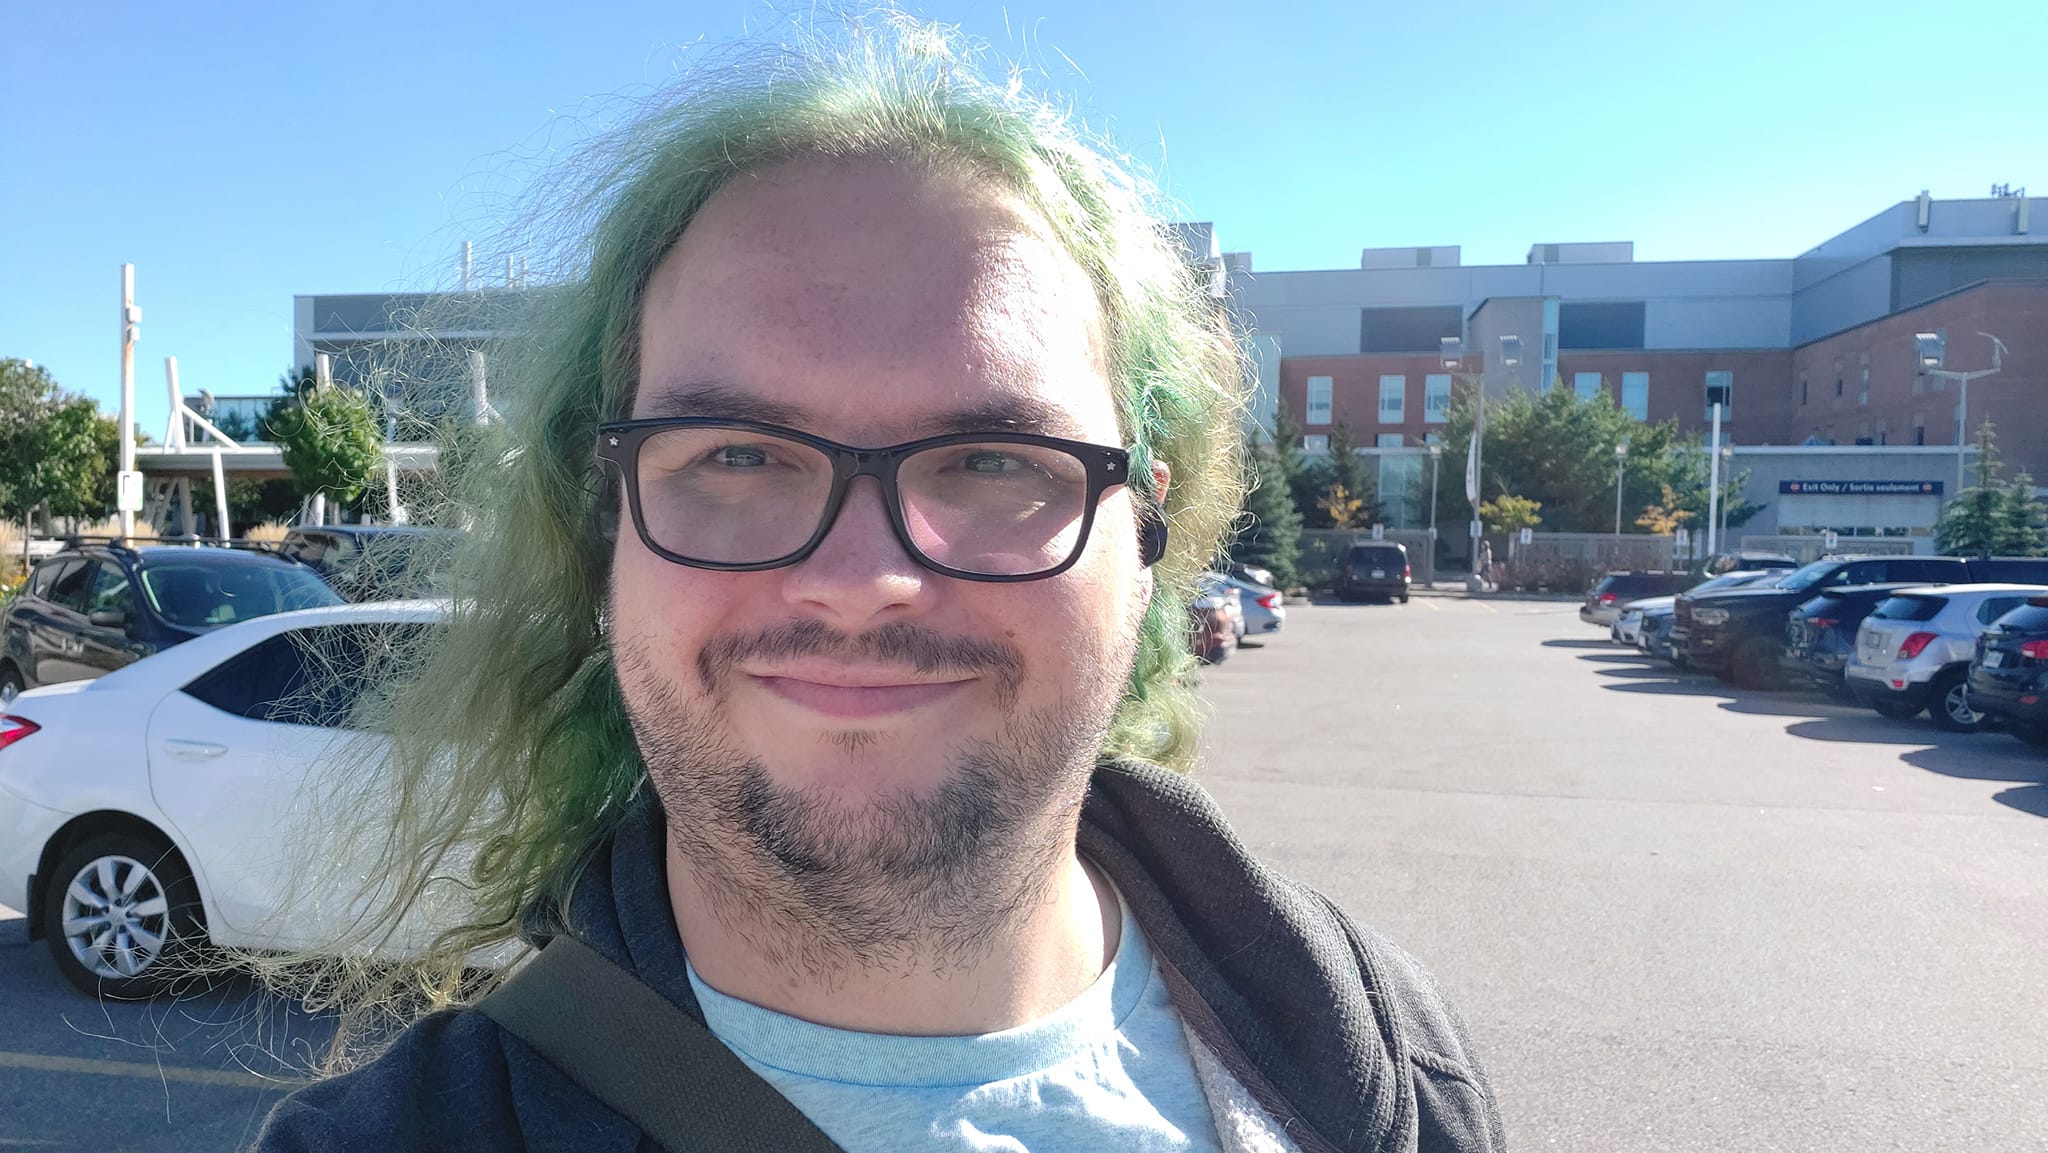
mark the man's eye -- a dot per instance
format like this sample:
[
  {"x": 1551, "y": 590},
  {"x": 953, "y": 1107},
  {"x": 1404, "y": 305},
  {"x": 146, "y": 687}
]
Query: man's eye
[
  {"x": 740, "y": 456},
  {"x": 990, "y": 463}
]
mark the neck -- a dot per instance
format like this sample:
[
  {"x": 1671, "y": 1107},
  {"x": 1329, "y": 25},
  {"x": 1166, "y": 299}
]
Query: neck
[{"x": 1037, "y": 952}]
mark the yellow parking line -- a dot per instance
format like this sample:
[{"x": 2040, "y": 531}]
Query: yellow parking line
[
  {"x": 149, "y": 1072},
  {"x": 1430, "y": 604},
  {"x": 1487, "y": 607}
]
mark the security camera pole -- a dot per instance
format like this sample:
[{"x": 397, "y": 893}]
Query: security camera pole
[{"x": 1933, "y": 351}]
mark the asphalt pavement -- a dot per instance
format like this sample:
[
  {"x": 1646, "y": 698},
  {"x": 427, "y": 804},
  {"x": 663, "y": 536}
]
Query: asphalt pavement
[{"x": 1677, "y": 915}]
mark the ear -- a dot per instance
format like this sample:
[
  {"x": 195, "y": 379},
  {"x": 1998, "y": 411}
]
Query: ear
[{"x": 1152, "y": 516}]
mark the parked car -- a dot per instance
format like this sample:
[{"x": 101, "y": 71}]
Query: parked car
[
  {"x": 1375, "y": 570},
  {"x": 1263, "y": 612},
  {"x": 95, "y": 607},
  {"x": 1609, "y": 593},
  {"x": 1628, "y": 626},
  {"x": 373, "y": 562},
  {"x": 1739, "y": 634},
  {"x": 1252, "y": 573},
  {"x": 1821, "y": 633},
  {"x": 1217, "y": 585},
  {"x": 1212, "y": 635},
  {"x": 148, "y": 811},
  {"x": 1727, "y": 562},
  {"x": 1913, "y": 651},
  {"x": 2009, "y": 672}
]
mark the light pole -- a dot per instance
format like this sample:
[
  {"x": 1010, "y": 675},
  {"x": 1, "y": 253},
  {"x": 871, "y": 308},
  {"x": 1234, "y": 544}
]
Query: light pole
[
  {"x": 1452, "y": 356},
  {"x": 1436, "y": 460},
  {"x": 1933, "y": 348},
  {"x": 1620, "y": 471},
  {"x": 1727, "y": 469}
]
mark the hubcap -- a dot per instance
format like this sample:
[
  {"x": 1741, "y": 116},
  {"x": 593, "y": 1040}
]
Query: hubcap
[
  {"x": 116, "y": 917},
  {"x": 1958, "y": 704},
  {"x": 8, "y": 691}
]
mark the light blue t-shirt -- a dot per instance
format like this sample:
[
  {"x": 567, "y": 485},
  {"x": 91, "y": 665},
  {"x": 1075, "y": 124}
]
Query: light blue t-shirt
[{"x": 1110, "y": 1071}]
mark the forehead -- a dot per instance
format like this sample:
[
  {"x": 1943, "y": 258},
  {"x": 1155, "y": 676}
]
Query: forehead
[{"x": 873, "y": 303}]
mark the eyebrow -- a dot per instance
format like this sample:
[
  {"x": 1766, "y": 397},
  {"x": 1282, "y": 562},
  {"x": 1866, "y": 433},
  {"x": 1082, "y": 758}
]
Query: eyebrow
[{"x": 719, "y": 399}]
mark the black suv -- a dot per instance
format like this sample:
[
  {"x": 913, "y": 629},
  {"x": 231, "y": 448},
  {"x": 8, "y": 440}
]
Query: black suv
[
  {"x": 91, "y": 608},
  {"x": 1376, "y": 569},
  {"x": 1820, "y": 634},
  {"x": 373, "y": 562},
  {"x": 1739, "y": 634},
  {"x": 2009, "y": 677}
]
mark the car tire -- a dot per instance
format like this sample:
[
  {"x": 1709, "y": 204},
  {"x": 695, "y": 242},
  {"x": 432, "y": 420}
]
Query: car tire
[
  {"x": 11, "y": 684},
  {"x": 145, "y": 886},
  {"x": 1404, "y": 598},
  {"x": 1949, "y": 704},
  {"x": 1755, "y": 664},
  {"x": 1895, "y": 710}
]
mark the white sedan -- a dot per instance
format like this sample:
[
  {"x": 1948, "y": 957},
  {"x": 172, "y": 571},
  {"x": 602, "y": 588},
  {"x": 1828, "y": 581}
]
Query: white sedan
[{"x": 159, "y": 807}]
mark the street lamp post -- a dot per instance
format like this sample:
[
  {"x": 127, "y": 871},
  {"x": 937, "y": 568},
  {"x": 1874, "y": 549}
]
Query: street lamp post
[
  {"x": 1933, "y": 347},
  {"x": 1727, "y": 469},
  {"x": 1436, "y": 460},
  {"x": 1452, "y": 356},
  {"x": 1620, "y": 471}
]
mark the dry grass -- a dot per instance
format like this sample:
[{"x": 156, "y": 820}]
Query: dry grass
[
  {"x": 11, "y": 571},
  {"x": 111, "y": 526},
  {"x": 270, "y": 531}
]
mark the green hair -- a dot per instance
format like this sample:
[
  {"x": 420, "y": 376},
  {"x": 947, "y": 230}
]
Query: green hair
[{"x": 510, "y": 754}]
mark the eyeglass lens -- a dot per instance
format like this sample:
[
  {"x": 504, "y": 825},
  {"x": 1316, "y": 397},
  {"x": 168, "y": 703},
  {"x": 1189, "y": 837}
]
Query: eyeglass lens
[{"x": 738, "y": 496}]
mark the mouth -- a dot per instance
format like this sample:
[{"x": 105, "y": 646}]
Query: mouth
[{"x": 855, "y": 696}]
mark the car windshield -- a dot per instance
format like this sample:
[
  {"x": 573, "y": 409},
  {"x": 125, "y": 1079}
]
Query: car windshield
[
  {"x": 1809, "y": 576},
  {"x": 198, "y": 595}
]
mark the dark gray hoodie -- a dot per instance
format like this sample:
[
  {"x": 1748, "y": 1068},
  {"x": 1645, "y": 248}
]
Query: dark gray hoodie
[{"x": 1343, "y": 1041}]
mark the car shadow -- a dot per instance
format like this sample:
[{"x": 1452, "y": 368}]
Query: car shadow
[
  {"x": 1578, "y": 644},
  {"x": 1983, "y": 756}
]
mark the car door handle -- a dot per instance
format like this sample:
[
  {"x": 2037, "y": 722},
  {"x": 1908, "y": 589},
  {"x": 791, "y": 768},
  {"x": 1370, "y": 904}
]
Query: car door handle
[{"x": 195, "y": 750}]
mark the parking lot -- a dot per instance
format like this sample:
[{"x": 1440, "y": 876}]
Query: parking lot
[{"x": 1678, "y": 916}]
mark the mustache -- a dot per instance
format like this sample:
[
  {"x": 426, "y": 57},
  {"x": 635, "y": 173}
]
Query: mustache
[{"x": 897, "y": 643}]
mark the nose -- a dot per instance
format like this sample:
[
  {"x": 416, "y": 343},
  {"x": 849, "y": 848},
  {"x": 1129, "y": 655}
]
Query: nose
[{"x": 860, "y": 575}]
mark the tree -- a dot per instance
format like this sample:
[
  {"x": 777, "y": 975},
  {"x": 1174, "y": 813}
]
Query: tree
[
  {"x": 1344, "y": 510},
  {"x": 1350, "y": 471},
  {"x": 1975, "y": 521},
  {"x": 1269, "y": 532},
  {"x": 1510, "y": 514},
  {"x": 1666, "y": 516},
  {"x": 1286, "y": 443},
  {"x": 329, "y": 440},
  {"x": 53, "y": 445},
  {"x": 2024, "y": 526}
]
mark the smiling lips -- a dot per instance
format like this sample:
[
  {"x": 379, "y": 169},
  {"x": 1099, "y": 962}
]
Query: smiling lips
[{"x": 855, "y": 693}]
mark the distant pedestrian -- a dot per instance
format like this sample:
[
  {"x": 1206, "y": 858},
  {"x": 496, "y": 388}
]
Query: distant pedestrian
[{"x": 1485, "y": 566}]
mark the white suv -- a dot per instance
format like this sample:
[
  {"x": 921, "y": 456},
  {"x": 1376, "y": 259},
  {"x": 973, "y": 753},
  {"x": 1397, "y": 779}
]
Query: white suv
[{"x": 1914, "y": 650}]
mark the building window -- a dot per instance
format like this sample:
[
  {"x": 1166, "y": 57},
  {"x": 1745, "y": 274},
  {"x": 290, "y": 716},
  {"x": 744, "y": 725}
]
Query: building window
[
  {"x": 1635, "y": 394},
  {"x": 1586, "y": 384},
  {"x": 1432, "y": 438},
  {"x": 1863, "y": 389},
  {"x": 1724, "y": 381},
  {"x": 1317, "y": 443},
  {"x": 1802, "y": 392},
  {"x": 1318, "y": 400},
  {"x": 1388, "y": 440},
  {"x": 1393, "y": 398},
  {"x": 1436, "y": 398},
  {"x": 1838, "y": 387}
]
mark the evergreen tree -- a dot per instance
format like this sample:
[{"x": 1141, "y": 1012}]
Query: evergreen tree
[
  {"x": 1976, "y": 523},
  {"x": 1352, "y": 471},
  {"x": 1269, "y": 532},
  {"x": 2024, "y": 521}
]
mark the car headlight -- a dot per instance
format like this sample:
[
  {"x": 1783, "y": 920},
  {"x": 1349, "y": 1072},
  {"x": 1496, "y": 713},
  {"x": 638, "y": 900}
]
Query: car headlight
[{"x": 1712, "y": 618}]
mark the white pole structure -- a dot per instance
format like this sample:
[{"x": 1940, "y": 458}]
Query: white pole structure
[
  {"x": 1714, "y": 482},
  {"x": 323, "y": 376},
  {"x": 479, "y": 393},
  {"x": 131, "y": 331},
  {"x": 174, "y": 435},
  {"x": 1620, "y": 473},
  {"x": 220, "y": 497},
  {"x": 1933, "y": 352}
]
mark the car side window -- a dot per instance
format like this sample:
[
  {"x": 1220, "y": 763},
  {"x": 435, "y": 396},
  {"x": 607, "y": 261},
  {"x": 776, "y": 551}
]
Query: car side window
[
  {"x": 45, "y": 576},
  {"x": 68, "y": 588},
  {"x": 1995, "y": 607},
  {"x": 311, "y": 676},
  {"x": 111, "y": 589}
]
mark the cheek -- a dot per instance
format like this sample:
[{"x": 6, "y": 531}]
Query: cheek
[{"x": 668, "y": 610}]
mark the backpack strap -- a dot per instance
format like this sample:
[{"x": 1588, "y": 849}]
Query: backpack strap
[{"x": 643, "y": 1057}]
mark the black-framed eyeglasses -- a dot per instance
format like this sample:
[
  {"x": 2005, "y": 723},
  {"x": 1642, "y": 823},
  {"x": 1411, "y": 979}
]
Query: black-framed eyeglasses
[{"x": 743, "y": 495}]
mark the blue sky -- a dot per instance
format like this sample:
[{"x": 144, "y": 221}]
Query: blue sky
[{"x": 238, "y": 153}]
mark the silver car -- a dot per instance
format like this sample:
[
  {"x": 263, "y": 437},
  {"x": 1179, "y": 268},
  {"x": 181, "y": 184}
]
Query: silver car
[
  {"x": 1913, "y": 651},
  {"x": 1217, "y": 585},
  {"x": 1263, "y": 612}
]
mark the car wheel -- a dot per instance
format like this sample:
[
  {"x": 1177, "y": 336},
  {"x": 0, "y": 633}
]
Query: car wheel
[
  {"x": 1950, "y": 705},
  {"x": 11, "y": 684},
  {"x": 1404, "y": 598},
  {"x": 122, "y": 917},
  {"x": 1755, "y": 664},
  {"x": 1895, "y": 710}
]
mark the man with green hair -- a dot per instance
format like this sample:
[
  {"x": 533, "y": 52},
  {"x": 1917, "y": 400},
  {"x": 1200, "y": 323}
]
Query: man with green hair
[{"x": 821, "y": 719}]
